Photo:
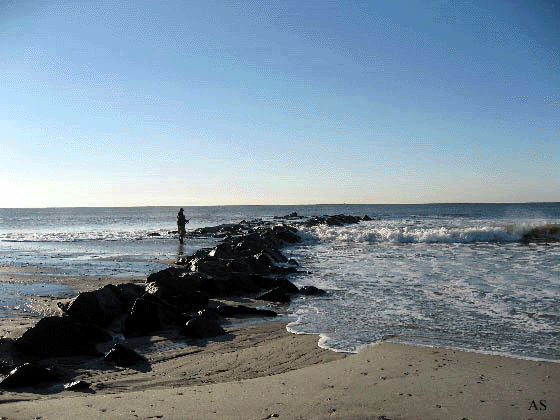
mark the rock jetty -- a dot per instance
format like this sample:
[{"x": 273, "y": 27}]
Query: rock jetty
[{"x": 247, "y": 262}]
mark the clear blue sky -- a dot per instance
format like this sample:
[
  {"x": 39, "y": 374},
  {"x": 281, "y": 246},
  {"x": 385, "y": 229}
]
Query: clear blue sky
[{"x": 278, "y": 102}]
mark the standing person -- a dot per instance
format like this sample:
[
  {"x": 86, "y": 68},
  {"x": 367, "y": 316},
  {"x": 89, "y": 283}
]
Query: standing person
[{"x": 181, "y": 222}]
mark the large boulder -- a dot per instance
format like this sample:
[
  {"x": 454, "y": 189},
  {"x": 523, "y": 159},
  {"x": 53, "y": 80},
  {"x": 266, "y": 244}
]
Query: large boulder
[
  {"x": 149, "y": 314},
  {"x": 275, "y": 295},
  {"x": 167, "y": 278},
  {"x": 210, "y": 266},
  {"x": 101, "y": 306},
  {"x": 224, "y": 250},
  {"x": 28, "y": 375},
  {"x": 311, "y": 291},
  {"x": 129, "y": 292},
  {"x": 202, "y": 328},
  {"x": 60, "y": 336},
  {"x": 285, "y": 284},
  {"x": 188, "y": 290},
  {"x": 336, "y": 220},
  {"x": 287, "y": 234},
  {"x": 123, "y": 356},
  {"x": 79, "y": 385}
]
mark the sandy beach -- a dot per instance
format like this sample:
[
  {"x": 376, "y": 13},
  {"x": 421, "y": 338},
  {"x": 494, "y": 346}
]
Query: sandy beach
[{"x": 258, "y": 370}]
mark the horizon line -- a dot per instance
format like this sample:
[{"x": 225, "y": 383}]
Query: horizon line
[{"x": 291, "y": 205}]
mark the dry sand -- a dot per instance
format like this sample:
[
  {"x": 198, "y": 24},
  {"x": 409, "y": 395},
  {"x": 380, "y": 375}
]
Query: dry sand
[{"x": 261, "y": 371}]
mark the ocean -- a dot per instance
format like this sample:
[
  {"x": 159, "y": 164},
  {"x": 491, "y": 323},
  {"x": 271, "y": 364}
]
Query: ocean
[{"x": 451, "y": 275}]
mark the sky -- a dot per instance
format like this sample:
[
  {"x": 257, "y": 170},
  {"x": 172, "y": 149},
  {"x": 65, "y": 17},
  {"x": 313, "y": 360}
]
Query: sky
[{"x": 133, "y": 103}]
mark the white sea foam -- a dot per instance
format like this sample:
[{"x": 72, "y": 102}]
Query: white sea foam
[
  {"x": 83, "y": 235},
  {"x": 458, "y": 283}
]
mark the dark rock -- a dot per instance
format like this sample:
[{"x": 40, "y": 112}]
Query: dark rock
[
  {"x": 286, "y": 234},
  {"x": 97, "y": 307},
  {"x": 292, "y": 215},
  {"x": 311, "y": 291},
  {"x": 167, "y": 276},
  {"x": 152, "y": 234},
  {"x": 60, "y": 336},
  {"x": 77, "y": 386},
  {"x": 223, "y": 250},
  {"x": 285, "y": 284},
  {"x": 240, "y": 265},
  {"x": 149, "y": 314},
  {"x": 202, "y": 328},
  {"x": 233, "y": 311},
  {"x": 337, "y": 220},
  {"x": 28, "y": 375},
  {"x": 186, "y": 290},
  {"x": 211, "y": 315},
  {"x": 195, "y": 302},
  {"x": 275, "y": 295},
  {"x": 366, "y": 218},
  {"x": 6, "y": 365},
  {"x": 221, "y": 230},
  {"x": 209, "y": 265},
  {"x": 185, "y": 317},
  {"x": 265, "y": 258},
  {"x": 123, "y": 356},
  {"x": 129, "y": 292},
  {"x": 233, "y": 284}
]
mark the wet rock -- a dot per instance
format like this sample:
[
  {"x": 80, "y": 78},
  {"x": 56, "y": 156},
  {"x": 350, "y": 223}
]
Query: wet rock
[
  {"x": 60, "y": 336},
  {"x": 171, "y": 281},
  {"x": 149, "y": 314},
  {"x": 292, "y": 215},
  {"x": 275, "y": 295},
  {"x": 28, "y": 375},
  {"x": 293, "y": 262},
  {"x": 233, "y": 284},
  {"x": 185, "y": 291},
  {"x": 77, "y": 386},
  {"x": 311, "y": 291},
  {"x": 211, "y": 315},
  {"x": 286, "y": 285},
  {"x": 209, "y": 266},
  {"x": 221, "y": 230},
  {"x": 123, "y": 356},
  {"x": 202, "y": 328},
  {"x": 96, "y": 307},
  {"x": 265, "y": 258},
  {"x": 6, "y": 366},
  {"x": 337, "y": 220},
  {"x": 224, "y": 250},
  {"x": 129, "y": 292},
  {"x": 286, "y": 234}
]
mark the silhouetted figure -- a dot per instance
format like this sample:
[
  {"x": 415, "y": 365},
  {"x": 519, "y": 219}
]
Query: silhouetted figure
[{"x": 181, "y": 222}]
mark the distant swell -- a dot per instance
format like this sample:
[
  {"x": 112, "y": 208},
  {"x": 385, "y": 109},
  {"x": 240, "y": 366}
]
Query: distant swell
[{"x": 392, "y": 234}]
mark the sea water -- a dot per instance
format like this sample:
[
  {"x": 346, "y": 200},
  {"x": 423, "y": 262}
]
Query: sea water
[{"x": 456, "y": 275}]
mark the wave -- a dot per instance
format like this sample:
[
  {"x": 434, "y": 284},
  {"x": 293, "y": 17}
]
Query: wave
[
  {"x": 82, "y": 236},
  {"x": 371, "y": 233}
]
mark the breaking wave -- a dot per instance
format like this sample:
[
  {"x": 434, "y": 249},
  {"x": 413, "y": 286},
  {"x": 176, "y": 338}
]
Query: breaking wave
[{"x": 371, "y": 232}]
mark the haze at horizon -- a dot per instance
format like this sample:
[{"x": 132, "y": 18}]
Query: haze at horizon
[{"x": 210, "y": 103}]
